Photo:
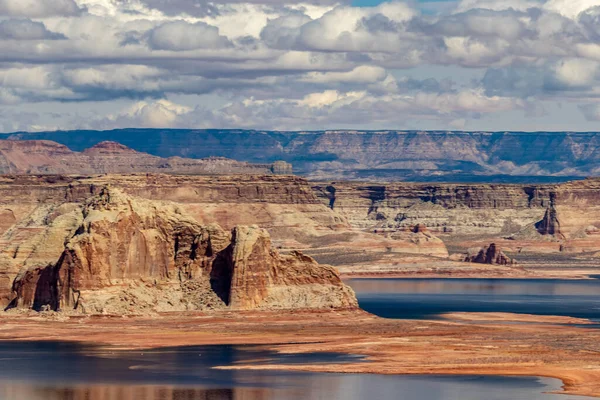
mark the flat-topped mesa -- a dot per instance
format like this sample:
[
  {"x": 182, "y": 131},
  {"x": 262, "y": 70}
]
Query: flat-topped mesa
[
  {"x": 491, "y": 255},
  {"x": 35, "y": 146},
  {"x": 108, "y": 147},
  {"x": 131, "y": 255},
  {"x": 282, "y": 168}
]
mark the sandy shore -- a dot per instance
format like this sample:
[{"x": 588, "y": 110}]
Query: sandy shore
[
  {"x": 474, "y": 272},
  {"x": 536, "y": 348}
]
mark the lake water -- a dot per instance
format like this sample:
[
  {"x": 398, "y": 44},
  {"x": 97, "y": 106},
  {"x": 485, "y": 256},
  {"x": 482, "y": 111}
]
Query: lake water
[
  {"x": 63, "y": 371},
  {"x": 427, "y": 298}
]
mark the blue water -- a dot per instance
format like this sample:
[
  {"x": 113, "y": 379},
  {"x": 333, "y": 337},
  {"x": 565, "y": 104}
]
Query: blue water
[
  {"x": 428, "y": 298},
  {"x": 63, "y": 371}
]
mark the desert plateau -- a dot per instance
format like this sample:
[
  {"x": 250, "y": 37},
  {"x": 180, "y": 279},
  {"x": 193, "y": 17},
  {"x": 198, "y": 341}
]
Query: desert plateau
[{"x": 128, "y": 261}]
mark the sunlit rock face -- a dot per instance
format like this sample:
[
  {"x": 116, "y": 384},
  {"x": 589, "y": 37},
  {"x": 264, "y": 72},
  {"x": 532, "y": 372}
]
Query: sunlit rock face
[{"x": 130, "y": 255}]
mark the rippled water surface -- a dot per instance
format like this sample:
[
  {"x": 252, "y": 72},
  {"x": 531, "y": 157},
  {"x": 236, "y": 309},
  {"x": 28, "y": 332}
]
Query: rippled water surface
[
  {"x": 427, "y": 298},
  {"x": 61, "y": 371}
]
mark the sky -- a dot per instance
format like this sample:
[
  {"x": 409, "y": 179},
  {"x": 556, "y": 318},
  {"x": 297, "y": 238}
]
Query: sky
[{"x": 494, "y": 65}]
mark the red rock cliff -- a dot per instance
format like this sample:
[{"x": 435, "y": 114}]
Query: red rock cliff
[{"x": 132, "y": 255}]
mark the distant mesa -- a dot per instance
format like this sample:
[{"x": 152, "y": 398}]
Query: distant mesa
[
  {"x": 109, "y": 147},
  {"x": 386, "y": 155},
  {"x": 40, "y": 157}
]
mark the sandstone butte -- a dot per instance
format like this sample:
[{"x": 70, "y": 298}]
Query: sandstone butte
[{"x": 124, "y": 255}]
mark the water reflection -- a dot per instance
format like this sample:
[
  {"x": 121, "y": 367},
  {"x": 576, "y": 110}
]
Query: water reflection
[
  {"x": 28, "y": 392},
  {"x": 425, "y": 298},
  {"x": 313, "y": 387},
  {"x": 62, "y": 371}
]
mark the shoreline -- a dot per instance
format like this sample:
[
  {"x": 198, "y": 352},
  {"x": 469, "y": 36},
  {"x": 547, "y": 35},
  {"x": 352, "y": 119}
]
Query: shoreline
[
  {"x": 464, "y": 275},
  {"x": 390, "y": 347}
]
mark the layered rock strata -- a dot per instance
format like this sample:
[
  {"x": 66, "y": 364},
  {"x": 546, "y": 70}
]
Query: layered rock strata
[
  {"x": 367, "y": 155},
  {"x": 476, "y": 209},
  {"x": 123, "y": 254}
]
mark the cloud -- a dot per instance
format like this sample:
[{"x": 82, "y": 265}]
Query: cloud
[
  {"x": 343, "y": 29},
  {"x": 39, "y": 8},
  {"x": 158, "y": 114},
  {"x": 183, "y": 36},
  {"x": 507, "y": 24},
  {"x": 360, "y": 74},
  {"x": 498, "y": 5},
  {"x": 591, "y": 111},
  {"x": 25, "y": 29},
  {"x": 287, "y": 63},
  {"x": 576, "y": 72},
  {"x": 570, "y": 8},
  {"x": 203, "y": 8}
]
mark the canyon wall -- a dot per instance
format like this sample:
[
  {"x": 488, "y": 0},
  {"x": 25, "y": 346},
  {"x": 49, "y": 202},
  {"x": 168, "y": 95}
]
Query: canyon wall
[
  {"x": 562, "y": 217},
  {"x": 362, "y": 225},
  {"x": 33, "y": 207},
  {"x": 370, "y": 155}
]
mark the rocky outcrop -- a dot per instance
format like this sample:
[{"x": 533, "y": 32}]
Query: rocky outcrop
[
  {"x": 491, "y": 255},
  {"x": 549, "y": 225},
  {"x": 282, "y": 168},
  {"x": 419, "y": 228},
  {"x": 46, "y": 157},
  {"x": 131, "y": 255}
]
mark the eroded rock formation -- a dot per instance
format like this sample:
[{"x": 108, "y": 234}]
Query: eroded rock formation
[
  {"x": 492, "y": 255},
  {"x": 419, "y": 228},
  {"x": 130, "y": 255},
  {"x": 549, "y": 225}
]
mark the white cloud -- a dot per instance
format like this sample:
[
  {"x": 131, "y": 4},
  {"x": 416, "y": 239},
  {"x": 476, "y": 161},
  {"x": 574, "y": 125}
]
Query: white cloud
[
  {"x": 576, "y": 72},
  {"x": 369, "y": 29},
  {"x": 158, "y": 114},
  {"x": 183, "y": 36},
  {"x": 330, "y": 98},
  {"x": 316, "y": 63},
  {"x": 39, "y": 8},
  {"x": 570, "y": 8}
]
